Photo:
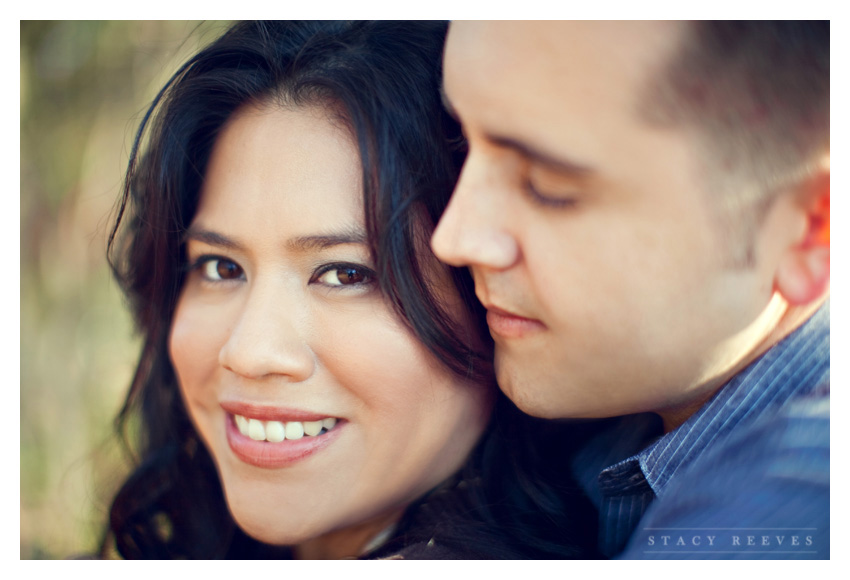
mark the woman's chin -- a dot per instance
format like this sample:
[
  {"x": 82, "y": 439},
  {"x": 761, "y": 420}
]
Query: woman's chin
[
  {"x": 271, "y": 531},
  {"x": 267, "y": 521}
]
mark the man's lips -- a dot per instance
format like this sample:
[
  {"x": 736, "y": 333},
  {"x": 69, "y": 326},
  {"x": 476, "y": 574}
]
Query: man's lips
[{"x": 509, "y": 325}]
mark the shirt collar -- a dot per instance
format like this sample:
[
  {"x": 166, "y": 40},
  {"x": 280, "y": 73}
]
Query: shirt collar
[{"x": 794, "y": 366}]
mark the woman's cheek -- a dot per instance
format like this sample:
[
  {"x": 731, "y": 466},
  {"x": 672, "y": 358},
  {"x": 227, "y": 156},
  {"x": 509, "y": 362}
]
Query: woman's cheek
[
  {"x": 375, "y": 356},
  {"x": 194, "y": 346}
]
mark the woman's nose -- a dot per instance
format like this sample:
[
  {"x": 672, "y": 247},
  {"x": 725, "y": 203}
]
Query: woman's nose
[{"x": 268, "y": 340}]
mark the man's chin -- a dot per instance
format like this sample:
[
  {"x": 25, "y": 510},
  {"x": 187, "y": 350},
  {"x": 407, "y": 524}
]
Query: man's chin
[{"x": 531, "y": 394}]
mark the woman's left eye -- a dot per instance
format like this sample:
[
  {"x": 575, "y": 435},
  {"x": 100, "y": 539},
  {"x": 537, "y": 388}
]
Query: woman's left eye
[
  {"x": 344, "y": 275},
  {"x": 216, "y": 269}
]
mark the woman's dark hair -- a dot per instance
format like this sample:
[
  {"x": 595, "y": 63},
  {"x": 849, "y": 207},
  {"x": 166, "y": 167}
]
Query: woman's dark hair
[{"x": 382, "y": 80}]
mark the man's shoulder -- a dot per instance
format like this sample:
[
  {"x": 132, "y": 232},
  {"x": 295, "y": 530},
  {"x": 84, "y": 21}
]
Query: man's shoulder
[
  {"x": 797, "y": 428},
  {"x": 762, "y": 492},
  {"x": 789, "y": 445}
]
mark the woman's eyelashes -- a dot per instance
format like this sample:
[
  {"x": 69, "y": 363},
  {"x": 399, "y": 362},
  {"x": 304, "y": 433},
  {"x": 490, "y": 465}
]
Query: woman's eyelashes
[
  {"x": 343, "y": 274},
  {"x": 217, "y": 269}
]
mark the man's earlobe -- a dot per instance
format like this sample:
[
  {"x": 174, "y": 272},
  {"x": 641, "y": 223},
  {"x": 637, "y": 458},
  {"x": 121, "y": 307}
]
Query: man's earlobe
[{"x": 803, "y": 273}]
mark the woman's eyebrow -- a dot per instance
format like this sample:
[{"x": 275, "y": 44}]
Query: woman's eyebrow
[
  {"x": 211, "y": 238},
  {"x": 298, "y": 244},
  {"x": 330, "y": 239}
]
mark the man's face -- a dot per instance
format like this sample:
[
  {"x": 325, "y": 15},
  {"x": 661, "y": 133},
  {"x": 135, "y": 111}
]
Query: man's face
[{"x": 590, "y": 234}]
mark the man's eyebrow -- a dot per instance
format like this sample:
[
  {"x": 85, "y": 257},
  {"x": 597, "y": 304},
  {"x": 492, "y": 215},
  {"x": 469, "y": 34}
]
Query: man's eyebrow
[
  {"x": 538, "y": 156},
  {"x": 528, "y": 151}
]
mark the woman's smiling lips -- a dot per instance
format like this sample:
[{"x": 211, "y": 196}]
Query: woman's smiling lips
[
  {"x": 508, "y": 325},
  {"x": 273, "y": 437}
]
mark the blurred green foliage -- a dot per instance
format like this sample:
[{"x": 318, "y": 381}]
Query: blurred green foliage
[{"x": 84, "y": 88}]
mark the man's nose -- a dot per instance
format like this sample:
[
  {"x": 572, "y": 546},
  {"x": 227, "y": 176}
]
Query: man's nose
[
  {"x": 268, "y": 340},
  {"x": 474, "y": 228}
]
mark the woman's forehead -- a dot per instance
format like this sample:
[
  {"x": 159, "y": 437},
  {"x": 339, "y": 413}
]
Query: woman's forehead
[{"x": 290, "y": 170}]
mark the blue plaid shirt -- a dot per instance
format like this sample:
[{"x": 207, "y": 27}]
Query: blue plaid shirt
[{"x": 746, "y": 476}]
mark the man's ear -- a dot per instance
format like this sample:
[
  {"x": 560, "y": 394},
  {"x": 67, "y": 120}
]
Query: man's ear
[{"x": 803, "y": 272}]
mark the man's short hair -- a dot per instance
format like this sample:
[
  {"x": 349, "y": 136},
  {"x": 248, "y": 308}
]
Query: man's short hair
[{"x": 757, "y": 95}]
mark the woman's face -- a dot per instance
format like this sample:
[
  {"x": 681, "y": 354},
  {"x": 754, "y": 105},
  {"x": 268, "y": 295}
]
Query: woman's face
[{"x": 324, "y": 414}]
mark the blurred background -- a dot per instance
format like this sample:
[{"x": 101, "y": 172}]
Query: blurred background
[{"x": 84, "y": 88}]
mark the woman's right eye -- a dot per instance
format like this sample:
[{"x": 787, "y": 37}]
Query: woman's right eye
[{"x": 216, "y": 269}]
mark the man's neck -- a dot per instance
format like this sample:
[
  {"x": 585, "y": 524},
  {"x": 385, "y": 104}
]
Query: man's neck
[{"x": 778, "y": 321}]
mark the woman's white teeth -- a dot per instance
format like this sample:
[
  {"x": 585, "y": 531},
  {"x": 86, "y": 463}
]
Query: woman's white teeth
[
  {"x": 277, "y": 431},
  {"x": 294, "y": 430},
  {"x": 256, "y": 430},
  {"x": 312, "y": 428}
]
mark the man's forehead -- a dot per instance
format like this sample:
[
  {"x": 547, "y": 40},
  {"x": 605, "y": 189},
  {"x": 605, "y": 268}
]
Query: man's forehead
[
  {"x": 486, "y": 68},
  {"x": 480, "y": 46},
  {"x": 556, "y": 47},
  {"x": 507, "y": 75}
]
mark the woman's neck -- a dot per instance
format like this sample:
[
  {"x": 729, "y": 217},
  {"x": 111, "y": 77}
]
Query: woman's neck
[{"x": 347, "y": 542}]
